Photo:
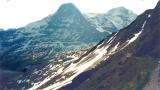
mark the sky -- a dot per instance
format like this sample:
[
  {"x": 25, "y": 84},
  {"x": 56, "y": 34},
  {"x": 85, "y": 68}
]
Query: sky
[{"x": 18, "y": 13}]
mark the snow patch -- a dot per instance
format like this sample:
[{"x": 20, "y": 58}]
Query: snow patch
[
  {"x": 135, "y": 37},
  {"x": 36, "y": 72},
  {"x": 137, "y": 34},
  {"x": 60, "y": 60},
  {"x": 60, "y": 71},
  {"x": 149, "y": 15},
  {"x": 19, "y": 81},
  {"x": 50, "y": 66}
]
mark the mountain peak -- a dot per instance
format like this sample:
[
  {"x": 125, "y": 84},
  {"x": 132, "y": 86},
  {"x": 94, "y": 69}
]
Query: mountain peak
[
  {"x": 68, "y": 8},
  {"x": 120, "y": 15},
  {"x": 68, "y": 5},
  {"x": 119, "y": 10}
]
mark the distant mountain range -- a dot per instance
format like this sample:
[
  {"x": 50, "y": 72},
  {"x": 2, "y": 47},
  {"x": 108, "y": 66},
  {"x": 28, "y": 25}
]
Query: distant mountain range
[{"x": 65, "y": 30}]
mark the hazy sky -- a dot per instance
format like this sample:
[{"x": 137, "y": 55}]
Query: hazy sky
[{"x": 18, "y": 13}]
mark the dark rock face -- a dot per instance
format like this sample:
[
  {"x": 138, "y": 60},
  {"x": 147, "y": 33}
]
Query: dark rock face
[{"x": 130, "y": 67}]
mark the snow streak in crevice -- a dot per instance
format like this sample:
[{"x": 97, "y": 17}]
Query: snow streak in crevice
[{"x": 135, "y": 36}]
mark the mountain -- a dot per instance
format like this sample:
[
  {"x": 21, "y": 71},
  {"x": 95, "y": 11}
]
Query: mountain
[
  {"x": 101, "y": 23},
  {"x": 112, "y": 21},
  {"x": 65, "y": 30},
  {"x": 121, "y": 17},
  {"x": 122, "y": 61}
]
